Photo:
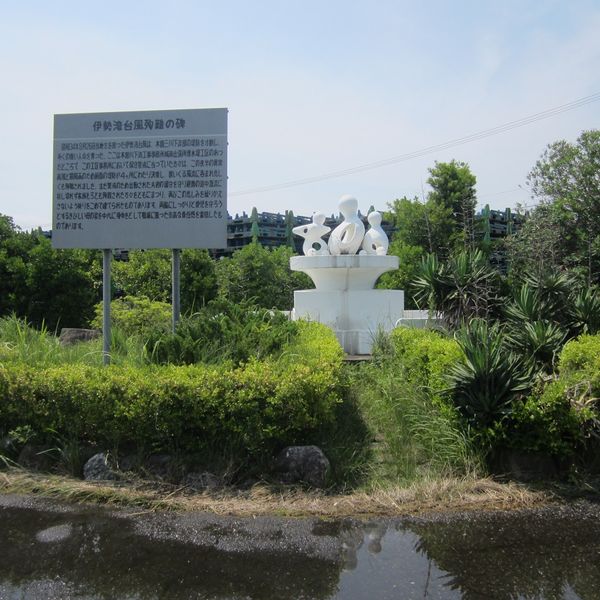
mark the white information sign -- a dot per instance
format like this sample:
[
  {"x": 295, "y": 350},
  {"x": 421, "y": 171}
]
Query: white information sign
[{"x": 152, "y": 179}]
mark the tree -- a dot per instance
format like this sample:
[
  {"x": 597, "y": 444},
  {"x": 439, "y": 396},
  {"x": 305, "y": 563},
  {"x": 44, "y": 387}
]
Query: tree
[
  {"x": 567, "y": 178},
  {"x": 540, "y": 246},
  {"x": 261, "y": 275},
  {"x": 453, "y": 187},
  {"x": 198, "y": 279},
  {"x": 60, "y": 287},
  {"x": 146, "y": 273}
]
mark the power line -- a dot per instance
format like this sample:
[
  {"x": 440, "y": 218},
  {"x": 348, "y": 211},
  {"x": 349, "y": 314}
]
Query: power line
[{"x": 546, "y": 114}]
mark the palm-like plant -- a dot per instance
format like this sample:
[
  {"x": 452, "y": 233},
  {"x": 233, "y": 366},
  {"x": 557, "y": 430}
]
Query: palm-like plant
[
  {"x": 485, "y": 384},
  {"x": 585, "y": 310},
  {"x": 463, "y": 288}
]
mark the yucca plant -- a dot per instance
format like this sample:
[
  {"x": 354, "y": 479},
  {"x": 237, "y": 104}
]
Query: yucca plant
[
  {"x": 538, "y": 342},
  {"x": 463, "y": 288},
  {"x": 585, "y": 310},
  {"x": 490, "y": 378}
]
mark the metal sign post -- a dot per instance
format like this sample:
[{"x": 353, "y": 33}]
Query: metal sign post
[
  {"x": 175, "y": 295},
  {"x": 106, "y": 298}
]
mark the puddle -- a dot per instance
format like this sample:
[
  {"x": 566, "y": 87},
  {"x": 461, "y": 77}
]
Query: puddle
[{"x": 48, "y": 552}]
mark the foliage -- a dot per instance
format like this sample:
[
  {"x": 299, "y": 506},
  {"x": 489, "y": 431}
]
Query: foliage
[
  {"x": 562, "y": 417},
  {"x": 198, "y": 279},
  {"x": 44, "y": 285},
  {"x": 547, "y": 422},
  {"x": 252, "y": 410},
  {"x": 538, "y": 247},
  {"x": 581, "y": 358},
  {"x": 400, "y": 396},
  {"x": 453, "y": 186},
  {"x": 148, "y": 273},
  {"x": 566, "y": 179},
  {"x": 425, "y": 357},
  {"x": 490, "y": 378},
  {"x": 259, "y": 275},
  {"x": 408, "y": 269},
  {"x": 463, "y": 288},
  {"x": 222, "y": 331},
  {"x": 136, "y": 316}
]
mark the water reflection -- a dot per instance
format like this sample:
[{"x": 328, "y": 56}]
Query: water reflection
[{"x": 83, "y": 553}]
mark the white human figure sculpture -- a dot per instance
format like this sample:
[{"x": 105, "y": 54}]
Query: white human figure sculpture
[
  {"x": 375, "y": 241},
  {"x": 347, "y": 237},
  {"x": 312, "y": 233}
]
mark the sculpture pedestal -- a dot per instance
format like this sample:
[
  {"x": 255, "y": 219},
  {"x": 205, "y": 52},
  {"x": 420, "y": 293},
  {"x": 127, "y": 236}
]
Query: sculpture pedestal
[{"x": 345, "y": 299}]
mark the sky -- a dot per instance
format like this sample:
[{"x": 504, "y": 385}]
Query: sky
[{"x": 312, "y": 88}]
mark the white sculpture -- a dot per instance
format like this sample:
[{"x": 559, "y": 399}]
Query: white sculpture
[
  {"x": 347, "y": 237},
  {"x": 375, "y": 240},
  {"x": 344, "y": 296},
  {"x": 312, "y": 233}
]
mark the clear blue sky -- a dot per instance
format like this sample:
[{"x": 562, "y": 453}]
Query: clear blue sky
[{"x": 312, "y": 87}]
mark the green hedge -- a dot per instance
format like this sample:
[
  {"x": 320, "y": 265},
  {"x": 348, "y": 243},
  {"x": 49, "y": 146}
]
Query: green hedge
[
  {"x": 254, "y": 409},
  {"x": 560, "y": 417},
  {"x": 426, "y": 357}
]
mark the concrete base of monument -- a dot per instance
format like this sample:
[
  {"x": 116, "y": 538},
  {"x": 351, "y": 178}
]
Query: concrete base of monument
[{"x": 354, "y": 315}]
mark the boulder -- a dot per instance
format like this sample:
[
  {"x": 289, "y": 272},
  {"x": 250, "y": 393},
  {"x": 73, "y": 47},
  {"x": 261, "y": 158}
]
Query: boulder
[
  {"x": 303, "y": 463},
  {"x": 73, "y": 335},
  {"x": 161, "y": 466},
  {"x": 39, "y": 458},
  {"x": 202, "y": 481},
  {"x": 98, "y": 469}
]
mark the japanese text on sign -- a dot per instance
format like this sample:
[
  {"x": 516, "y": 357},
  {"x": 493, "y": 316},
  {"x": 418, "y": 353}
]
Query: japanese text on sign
[{"x": 140, "y": 180}]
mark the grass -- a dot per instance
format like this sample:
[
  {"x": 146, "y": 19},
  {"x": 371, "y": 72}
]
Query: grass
[
  {"x": 414, "y": 438},
  {"x": 428, "y": 495},
  {"x": 20, "y": 342}
]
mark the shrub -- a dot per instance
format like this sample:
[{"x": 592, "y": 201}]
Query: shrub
[
  {"x": 581, "y": 357},
  {"x": 136, "y": 316},
  {"x": 223, "y": 331},
  {"x": 249, "y": 411},
  {"x": 425, "y": 356},
  {"x": 559, "y": 418},
  {"x": 546, "y": 422}
]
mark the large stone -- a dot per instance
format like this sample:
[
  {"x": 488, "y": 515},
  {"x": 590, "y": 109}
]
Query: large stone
[
  {"x": 303, "y": 463},
  {"x": 39, "y": 458},
  {"x": 98, "y": 469},
  {"x": 202, "y": 481},
  {"x": 73, "y": 335}
]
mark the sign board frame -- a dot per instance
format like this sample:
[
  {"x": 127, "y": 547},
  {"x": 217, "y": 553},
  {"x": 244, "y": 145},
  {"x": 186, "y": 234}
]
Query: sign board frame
[{"x": 142, "y": 179}]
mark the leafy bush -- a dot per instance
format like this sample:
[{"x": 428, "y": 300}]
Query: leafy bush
[
  {"x": 223, "y": 331},
  {"x": 560, "y": 418},
  {"x": 136, "y": 316},
  {"x": 546, "y": 422},
  {"x": 581, "y": 358},
  {"x": 425, "y": 356},
  {"x": 250, "y": 411}
]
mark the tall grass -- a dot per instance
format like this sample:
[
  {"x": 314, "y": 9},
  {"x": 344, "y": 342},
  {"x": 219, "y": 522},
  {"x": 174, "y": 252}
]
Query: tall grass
[
  {"x": 414, "y": 437},
  {"x": 20, "y": 342}
]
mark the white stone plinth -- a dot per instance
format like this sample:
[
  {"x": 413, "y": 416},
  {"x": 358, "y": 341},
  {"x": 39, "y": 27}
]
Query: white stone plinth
[
  {"x": 356, "y": 272},
  {"x": 354, "y": 315}
]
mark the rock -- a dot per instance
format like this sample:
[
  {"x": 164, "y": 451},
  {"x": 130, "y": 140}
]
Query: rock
[
  {"x": 129, "y": 462},
  {"x": 160, "y": 465},
  {"x": 202, "y": 481},
  {"x": 97, "y": 469},
  {"x": 303, "y": 463},
  {"x": 72, "y": 335},
  {"x": 39, "y": 458}
]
